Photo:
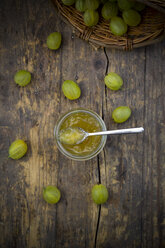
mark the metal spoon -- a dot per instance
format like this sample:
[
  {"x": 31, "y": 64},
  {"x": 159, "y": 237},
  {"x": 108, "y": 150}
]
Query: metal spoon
[{"x": 119, "y": 131}]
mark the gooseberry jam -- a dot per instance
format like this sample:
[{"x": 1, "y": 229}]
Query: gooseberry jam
[
  {"x": 87, "y": 123},
  {"x": 90, "y": 122}
]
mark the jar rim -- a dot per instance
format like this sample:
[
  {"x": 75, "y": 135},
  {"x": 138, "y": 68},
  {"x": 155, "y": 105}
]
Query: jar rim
[{"x": 68, "y": 154}]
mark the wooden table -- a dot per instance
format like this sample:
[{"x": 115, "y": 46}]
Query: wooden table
[{"x": 131, "y": 166}]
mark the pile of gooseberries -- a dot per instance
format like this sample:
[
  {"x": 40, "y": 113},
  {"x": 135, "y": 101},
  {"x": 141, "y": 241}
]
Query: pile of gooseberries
[{"x": 120, "y": 13}]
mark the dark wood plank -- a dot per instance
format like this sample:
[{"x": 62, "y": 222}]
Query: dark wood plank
[
  {"x": 134, "y": 164},
  {"x": 154, "y": 146},
  {"x": 123, "y": 157},
  {"x": 25, "y": 112},
  {"x": 77, "y": 178}
]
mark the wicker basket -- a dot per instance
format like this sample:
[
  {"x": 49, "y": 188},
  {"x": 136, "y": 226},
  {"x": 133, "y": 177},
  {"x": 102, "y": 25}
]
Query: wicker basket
[{"x": 151, "y": 29}]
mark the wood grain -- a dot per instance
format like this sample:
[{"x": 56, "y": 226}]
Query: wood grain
[
  {"x": 132, "y": 166},
  {"x": 123, "y": 155}
]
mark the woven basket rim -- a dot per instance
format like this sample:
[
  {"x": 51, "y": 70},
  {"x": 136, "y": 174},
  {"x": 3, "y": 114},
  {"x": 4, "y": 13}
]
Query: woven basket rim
[{"x": 96, "y": 43}]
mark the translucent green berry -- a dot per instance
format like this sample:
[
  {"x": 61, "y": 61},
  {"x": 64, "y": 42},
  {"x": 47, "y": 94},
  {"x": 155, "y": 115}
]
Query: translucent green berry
[
  {"x": 113, "y": 81},
  {"x": 118, "y": 26},
  {"x": 71, "y": 90},
  {"x": 131, "y": 17},
  {"x": 109, "y": 10},
  {"x": 51, "y": 194},
  {"x": 80, "y": 5},
  {"x": 91, "y": 17},
  {"x": 54, "y": 41},
  {"x": 22, "y": 77},
  {"x": 139, "y": 6},
  {"x": 121, "y": 114},
  {"x": 99, "y": 194},
  {"x": 125, "y": 4},
  {"x": 92, "y": 4},
  {"x": 104, "y": 1},
  {"x": 68, "y": 2},
  {"x": 17, "y": 149}
]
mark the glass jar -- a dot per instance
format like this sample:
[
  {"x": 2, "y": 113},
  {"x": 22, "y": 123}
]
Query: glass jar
[{"x": 91, "y": 115}]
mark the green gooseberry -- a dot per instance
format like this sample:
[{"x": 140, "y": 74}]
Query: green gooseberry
[
  {"x": 103, "y": 1},
  {"x": 118, "y": 26},
  {"x": 80, "y": 5},
  {"x": 121, "y": 114},
  {"x": 71, "y": 90},
  {"x": 22, "y": 77},
  {"x": 139, "y": 6},
  {"x": 17, "y": 149},
  {"x": 113, "y": 81},
  {"x": 131, "y": 17},
  {"x": 54, "y": 41},
  {"x": 109, "y": 10},
  {"x": 91, "y": 17},
  {"x": 125, "y": 4},
  {"x": 51, "y": 194},
  {"x": 99, "y": 194},
  {"x": 92, "y": 4},
  {"x": 68, "y": 2}
]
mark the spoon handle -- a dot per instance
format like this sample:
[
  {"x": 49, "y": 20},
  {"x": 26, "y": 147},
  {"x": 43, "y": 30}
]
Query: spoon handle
[{"x": 119, "y": 131}]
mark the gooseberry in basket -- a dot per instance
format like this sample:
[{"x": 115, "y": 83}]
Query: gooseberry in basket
[
  {"x": 125, "y": 4},
  {"x": 68, "y": 2},
  {"x": 118, "y": 26},
  {"x": 103, "y": 1},
  {"x": 109, "y": 10},
  {"x": 131, "y": 17},
  {"x": 139, "y": 6},
  {"x": 92, "y": 4},
  {"x": 80, "y": 5},
  {"x": 91, "y": 17}
]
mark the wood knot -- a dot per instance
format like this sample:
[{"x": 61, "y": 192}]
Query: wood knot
[{"x": 99, "y": 64}]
